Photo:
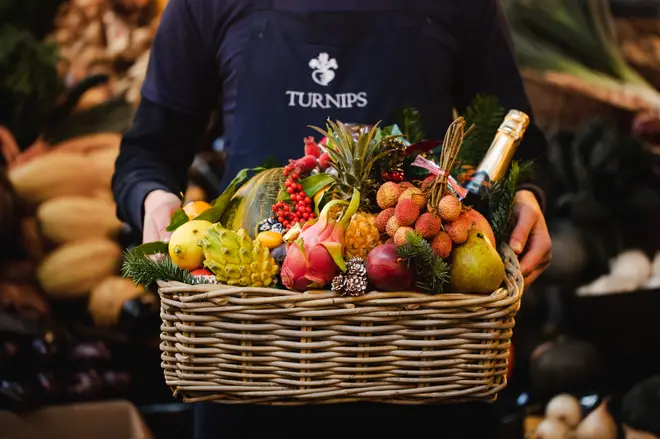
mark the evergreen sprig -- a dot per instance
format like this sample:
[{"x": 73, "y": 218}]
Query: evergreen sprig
[
  {"x": 145, "y": 271},
  {"x": 501, "y": 198},
  {"x": 486, "y": 114},
  {"x": 410, "y": 121},
  {"x": 432, "y": 271}
]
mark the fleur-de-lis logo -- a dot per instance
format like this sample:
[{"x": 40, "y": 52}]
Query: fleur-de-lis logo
[{"x": 323, "y": 67}]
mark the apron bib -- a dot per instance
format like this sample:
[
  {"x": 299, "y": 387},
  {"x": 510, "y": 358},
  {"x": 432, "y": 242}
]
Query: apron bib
[{"x": 359, "y": 65}]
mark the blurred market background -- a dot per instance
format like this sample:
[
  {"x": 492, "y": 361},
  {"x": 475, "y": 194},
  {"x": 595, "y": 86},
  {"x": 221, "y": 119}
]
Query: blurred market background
[{"x": 72, "y": 330}]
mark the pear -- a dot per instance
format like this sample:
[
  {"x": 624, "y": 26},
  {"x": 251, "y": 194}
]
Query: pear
[{"x": 476, "y": 267}]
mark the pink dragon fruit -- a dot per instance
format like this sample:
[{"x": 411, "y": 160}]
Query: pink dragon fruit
[{"x": 315, "y": 258}]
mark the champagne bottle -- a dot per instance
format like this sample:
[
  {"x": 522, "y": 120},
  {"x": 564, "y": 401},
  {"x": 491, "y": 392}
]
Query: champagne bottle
[{"x": 495, "y": 163}]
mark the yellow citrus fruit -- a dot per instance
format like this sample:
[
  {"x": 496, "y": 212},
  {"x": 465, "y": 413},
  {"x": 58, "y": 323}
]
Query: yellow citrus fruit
[
  {"x": 195, "y": 208},
  {"x": 270, "y": 239},
  {"x": 185, "y": 246}
]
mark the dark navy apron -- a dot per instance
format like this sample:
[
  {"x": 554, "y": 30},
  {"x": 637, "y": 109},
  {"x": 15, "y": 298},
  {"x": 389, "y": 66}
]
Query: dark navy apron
[{"x": 359, "y": 63}]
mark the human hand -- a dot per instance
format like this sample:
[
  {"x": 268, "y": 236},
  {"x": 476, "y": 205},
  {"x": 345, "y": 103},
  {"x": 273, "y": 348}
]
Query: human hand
[
  {"x": 530, "y": 237},
  {"x": 159, "y": 205}
]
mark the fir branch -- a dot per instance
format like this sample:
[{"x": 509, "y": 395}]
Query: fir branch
[
  {"x": 145, "y": 271},
  {"x": 486, "y": 114},
  {"x": 501, "y": 199},
  {"x": 432, "y": 272},
  {"x": 410, "y": 121}
]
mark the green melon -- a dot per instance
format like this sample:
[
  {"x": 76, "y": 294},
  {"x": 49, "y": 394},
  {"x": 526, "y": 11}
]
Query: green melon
[{"x": 253, "y": 202}]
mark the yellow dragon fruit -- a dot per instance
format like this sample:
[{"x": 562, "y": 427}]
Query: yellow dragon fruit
[{"x": 237, "y": 260}]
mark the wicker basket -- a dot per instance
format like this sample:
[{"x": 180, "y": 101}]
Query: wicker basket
[{"x": 268, "y": 346}]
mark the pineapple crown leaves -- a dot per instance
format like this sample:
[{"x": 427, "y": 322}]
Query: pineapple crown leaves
[{"x": 354, "y": 159}]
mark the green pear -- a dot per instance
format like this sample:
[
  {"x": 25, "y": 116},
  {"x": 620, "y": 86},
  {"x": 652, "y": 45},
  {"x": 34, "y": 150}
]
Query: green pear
[{"x": 476, "y": 267}]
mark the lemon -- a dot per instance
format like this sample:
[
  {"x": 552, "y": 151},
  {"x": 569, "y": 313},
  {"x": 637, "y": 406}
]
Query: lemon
[{"x": 185, "y": 247}]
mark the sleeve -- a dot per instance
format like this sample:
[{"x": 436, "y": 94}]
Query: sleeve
[
  {"x": 155, "y": 153},
  {"x": 487, "y": 66},
  {"x": 182, "y": 73},
  {"x": 178, "y": 93}
]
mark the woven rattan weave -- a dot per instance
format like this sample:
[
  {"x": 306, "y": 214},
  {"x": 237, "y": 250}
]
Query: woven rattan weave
[{"x": 269, "y": 346}]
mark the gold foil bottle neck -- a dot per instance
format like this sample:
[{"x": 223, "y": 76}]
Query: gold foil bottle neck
[{"x": 515, "y": 124}]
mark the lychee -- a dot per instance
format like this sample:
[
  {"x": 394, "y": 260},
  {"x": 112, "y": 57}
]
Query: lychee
[
  {"x": 428, "y": 225},
  {"x": 392, "y": 226},
  {"x": 382, "y": 219},
  {"x": 406, "y": 212},
  {"x": 406, "y": 185},
  {"x": 401, "y": 235},
  {"x": 387, "y": 195},
  {"x": 441, "y": 245},
  {"x": 389, "y": 241},
  {"x": 449, "y": 208},
  {"x": 414, "y": 194},
  {"x": 458, "y": 229}
]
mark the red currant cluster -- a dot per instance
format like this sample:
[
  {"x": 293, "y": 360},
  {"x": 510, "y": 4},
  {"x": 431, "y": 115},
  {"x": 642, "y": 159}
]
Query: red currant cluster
[{"x": 300, "y": 210}]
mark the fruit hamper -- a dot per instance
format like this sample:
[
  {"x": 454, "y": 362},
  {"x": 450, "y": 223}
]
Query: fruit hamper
[{"x": 363, "y": 271}]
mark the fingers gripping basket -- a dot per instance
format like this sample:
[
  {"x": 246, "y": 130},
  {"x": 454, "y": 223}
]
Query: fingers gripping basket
[{"x": 268, "y": 346}]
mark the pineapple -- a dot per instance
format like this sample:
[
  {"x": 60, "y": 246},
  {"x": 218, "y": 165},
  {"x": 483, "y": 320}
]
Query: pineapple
[
  {"x": 353, "y": 154},
  {"x": 361, "y": 235},
  {"x": 237, "y": 260}
]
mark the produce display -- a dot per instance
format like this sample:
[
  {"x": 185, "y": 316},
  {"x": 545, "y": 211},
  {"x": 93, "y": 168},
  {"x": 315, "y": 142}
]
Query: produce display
[
  {"x": 564, "y": 419},
  {"x": 346, "y": 216},
  {"x": 68, "y": 225},
  {"x": 113, "y": 38},
  {"x": 631, "y": 270},
  {"x": 575, "y": 45}
]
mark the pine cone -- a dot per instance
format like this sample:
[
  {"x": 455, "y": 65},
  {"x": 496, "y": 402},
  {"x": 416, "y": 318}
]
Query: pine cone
[
  {"x": 338, "y": 283},
  {"x": 355, "y": 286},
  {"x": 355, "y": 267}
]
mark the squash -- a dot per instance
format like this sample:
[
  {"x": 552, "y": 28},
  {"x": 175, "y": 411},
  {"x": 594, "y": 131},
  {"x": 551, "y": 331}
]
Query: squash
[
  {"x": 74, "y": 269},
  {"x": 72, "y": 218},
  {"x": 108, "y": 297},
  {"x": 88, "y": 143},
  {"x": 103, "y": 162},
  {"x": 53, "y": 175},
  {"x": 253, "y": 201}
]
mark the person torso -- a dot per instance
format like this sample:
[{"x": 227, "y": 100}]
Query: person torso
[{"x": 288, "y": 64}]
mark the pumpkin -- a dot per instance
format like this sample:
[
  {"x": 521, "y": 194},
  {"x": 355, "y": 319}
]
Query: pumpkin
[
  {"x": 66, "y": 219},
  {"x": 74, "y": 269},
  {"x": 253, "y": 201}
]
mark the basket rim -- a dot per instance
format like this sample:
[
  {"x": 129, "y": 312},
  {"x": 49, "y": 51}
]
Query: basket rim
[{"x": 510, "y": 292}]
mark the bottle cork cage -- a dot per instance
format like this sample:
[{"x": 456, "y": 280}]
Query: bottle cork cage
[{"x": 268, "y": 346}]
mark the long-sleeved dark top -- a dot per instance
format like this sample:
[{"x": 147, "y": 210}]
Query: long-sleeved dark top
[{"x": 201, "y": 46}]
